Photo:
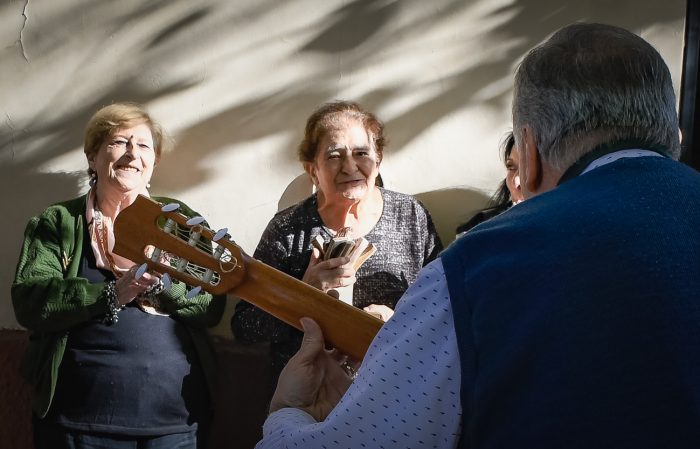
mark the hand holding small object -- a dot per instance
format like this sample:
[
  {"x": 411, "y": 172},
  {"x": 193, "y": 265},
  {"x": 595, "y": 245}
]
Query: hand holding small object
[{"x": 328, "y": 274}]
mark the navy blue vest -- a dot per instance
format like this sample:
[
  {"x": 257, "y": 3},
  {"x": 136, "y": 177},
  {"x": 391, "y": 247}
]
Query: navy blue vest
[{"x": 577, "y": 314}]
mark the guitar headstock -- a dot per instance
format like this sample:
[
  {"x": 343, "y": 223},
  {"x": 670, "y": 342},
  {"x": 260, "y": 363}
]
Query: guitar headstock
[{"x": 169, "y": 242}]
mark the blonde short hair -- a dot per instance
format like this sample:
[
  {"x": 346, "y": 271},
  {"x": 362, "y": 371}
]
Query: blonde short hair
[{"x": 118, "y": 116}]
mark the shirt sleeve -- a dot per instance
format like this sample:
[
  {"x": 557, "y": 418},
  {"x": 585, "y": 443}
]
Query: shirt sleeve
[{"x": 407, "y": 390}]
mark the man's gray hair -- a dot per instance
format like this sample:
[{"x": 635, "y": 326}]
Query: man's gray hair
[{"x": 591, "y": 84}]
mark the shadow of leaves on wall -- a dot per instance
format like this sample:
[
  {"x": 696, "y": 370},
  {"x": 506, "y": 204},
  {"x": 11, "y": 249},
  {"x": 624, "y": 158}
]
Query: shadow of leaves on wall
[
  {"x": 352, "y": 31},
  {"x": 172, "y": 49},
  {"x": 352, "y": 25}
]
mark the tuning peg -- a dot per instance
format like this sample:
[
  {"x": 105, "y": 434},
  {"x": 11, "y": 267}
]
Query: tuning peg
[
  {"x": 167, "y": 228},
  {"x": 140, "y": 271},
  {"x": 167, "y": 282},
  {"x": 170, "y": 207},
  {"x": 218, "y": 252},
  {"x": 194, "y": 292},
  {"x": 195, "y": 221},
  {"x": 195, "y": 234},
  {"x": 221, "y": 233}
]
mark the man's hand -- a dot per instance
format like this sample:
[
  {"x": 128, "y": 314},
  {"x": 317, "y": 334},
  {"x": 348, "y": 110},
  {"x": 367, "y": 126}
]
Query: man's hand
[{"x": 314, "y": 380}]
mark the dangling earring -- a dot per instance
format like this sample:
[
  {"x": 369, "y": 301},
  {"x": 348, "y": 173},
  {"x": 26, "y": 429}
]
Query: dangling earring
[{"x": 93, "y": 179}]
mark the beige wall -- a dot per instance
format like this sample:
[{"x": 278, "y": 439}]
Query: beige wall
[{"x": 233, "y": 81}]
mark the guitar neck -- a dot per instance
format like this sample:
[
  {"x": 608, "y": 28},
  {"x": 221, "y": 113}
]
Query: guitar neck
[
  {"x": 136, "y": 228},
  {"x": 345, "y": 327}
]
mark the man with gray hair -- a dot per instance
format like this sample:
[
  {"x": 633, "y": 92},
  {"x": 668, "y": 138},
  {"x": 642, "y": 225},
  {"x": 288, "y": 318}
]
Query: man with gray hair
[{"x": 569, "y": 321}]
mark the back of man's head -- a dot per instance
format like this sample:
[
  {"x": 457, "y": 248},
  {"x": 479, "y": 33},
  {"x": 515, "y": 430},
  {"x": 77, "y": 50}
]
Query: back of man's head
[{"x": 591, "y": 84}]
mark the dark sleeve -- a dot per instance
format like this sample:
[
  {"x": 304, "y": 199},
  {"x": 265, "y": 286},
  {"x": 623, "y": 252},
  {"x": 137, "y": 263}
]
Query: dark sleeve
[
  {"x": 249, "y": 323},
  {"x": 433, "y": 244}
]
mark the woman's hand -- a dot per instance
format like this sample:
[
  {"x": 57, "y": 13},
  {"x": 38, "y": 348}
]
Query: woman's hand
[
  {"x": 315, "y": 379},
  {"x": 128, "y": 287},
  {"x": 380, "y": 311},
  {"x": 329, "y": 274}
]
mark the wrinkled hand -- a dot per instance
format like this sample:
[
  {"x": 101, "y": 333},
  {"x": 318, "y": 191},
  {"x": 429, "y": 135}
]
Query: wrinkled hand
[
  {"x": 380, "y": 311},
  {"x": 128, "y": 287},
  {"x": 329, "y": 274},
  {"x": 314, "y": 380}
]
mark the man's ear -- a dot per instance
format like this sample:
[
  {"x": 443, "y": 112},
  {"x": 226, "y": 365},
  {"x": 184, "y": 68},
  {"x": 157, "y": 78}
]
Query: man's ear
[{"x": 531, "y": 173}]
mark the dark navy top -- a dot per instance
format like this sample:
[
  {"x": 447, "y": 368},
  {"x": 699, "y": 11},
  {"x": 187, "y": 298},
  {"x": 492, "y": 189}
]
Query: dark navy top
[
  {"x": 139, "y": 377},
  {"x": 577, "y": 314}
]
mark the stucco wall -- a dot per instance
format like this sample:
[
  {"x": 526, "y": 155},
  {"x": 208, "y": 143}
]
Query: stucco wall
[{"x": 233, "y": 82}]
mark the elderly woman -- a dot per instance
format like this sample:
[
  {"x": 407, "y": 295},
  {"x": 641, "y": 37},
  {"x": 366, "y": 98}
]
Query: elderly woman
[
  {"x": 342, "y": 151},
  {"x": 109, "y": 370}
]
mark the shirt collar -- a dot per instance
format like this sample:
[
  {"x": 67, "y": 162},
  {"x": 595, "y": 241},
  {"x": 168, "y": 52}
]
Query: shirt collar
[{"x": 609, "y": 152}]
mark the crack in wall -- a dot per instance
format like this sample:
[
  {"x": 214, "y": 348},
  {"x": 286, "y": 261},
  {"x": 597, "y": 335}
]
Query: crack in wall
[{"x": 21, "y": 32}]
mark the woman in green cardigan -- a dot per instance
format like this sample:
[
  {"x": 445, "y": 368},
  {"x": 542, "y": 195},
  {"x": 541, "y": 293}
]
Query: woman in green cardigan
[{"x": 115, "y": 357}]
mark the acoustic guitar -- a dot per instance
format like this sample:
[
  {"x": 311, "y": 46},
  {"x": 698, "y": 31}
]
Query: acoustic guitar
[{"x": 168, "y": 242}]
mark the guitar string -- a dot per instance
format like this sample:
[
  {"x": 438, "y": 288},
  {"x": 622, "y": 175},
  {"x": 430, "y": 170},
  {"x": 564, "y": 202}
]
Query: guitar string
[{"x": 196, "y": 271}]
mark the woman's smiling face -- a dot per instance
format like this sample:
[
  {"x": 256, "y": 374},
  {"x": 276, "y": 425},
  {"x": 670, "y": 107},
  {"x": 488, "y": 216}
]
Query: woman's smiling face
[
  {"x": 346, "y": 163},
  {"x": 125, "y": 160}
]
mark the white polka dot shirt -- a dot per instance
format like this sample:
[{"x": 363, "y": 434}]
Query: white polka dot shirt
[{"x": 407, "y": 392}]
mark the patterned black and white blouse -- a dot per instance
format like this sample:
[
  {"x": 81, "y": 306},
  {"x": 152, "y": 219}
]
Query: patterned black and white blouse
[{"x": 406, "y": 241}]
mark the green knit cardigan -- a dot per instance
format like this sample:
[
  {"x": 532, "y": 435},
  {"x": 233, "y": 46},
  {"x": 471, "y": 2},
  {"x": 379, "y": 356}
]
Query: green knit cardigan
[{"x": 49, "y": 298}]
